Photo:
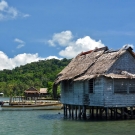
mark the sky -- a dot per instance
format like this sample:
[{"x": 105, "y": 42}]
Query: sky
[{"x": 32, "y": 30}]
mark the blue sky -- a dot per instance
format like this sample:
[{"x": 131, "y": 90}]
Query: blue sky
[{"x": 32, "y": 30}]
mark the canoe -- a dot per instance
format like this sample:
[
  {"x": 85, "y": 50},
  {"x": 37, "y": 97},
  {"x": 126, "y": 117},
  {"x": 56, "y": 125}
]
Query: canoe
[{"x": 48, "y": 106}]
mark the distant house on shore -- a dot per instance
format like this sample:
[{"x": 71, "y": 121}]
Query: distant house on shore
[
  {"x": 31, "y": 93},
  {"x": 100, "y": 78},
  {"x": 43, "y": 92}
]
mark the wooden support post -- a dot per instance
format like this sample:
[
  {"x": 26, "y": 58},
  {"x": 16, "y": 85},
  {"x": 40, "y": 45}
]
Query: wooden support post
[
  {"x": 111, "y": 113},
  {"x": 84, "y": 112},
  {"x": 13, "y": 99},
  {"x": 106, "y": 113},
  {"x": 131, "y": 110},
  {"x": 66, "y": 110},
  {"x": 19, "y": 98},
  {"x": 10, "y": 100},
  {"x": 97, "y": 112},
  {"x": 92, "y": 113},
  {"x": 76, "y": 112},
  {"x": 122, "y": 112},
  {"x": 69, "y": 109},
  {"x": 115, "y": 113},
  {"x": 79, "y": 115},
  {"x": 72, "y": 108},
  {"x": 100, "y": 112},
  {"x": 35, "y": 101}
]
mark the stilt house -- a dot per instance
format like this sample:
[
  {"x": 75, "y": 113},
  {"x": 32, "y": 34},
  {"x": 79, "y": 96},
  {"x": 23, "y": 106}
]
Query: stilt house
[
  {"x": 31, "y": 93},
  {"x": 99, "y": 78}
]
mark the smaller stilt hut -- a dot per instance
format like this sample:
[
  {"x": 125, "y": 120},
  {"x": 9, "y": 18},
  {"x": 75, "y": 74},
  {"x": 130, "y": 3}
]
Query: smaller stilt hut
[
  {"x": 31, "y": 93},
  {"x": 43, "y": 92}
]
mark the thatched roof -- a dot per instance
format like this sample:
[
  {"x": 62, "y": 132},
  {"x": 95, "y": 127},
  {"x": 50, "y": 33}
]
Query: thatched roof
[
  {"x": 31, "y": 90},
  {"x": 94, "y": 63},
  {"x": 43, "y": 90}
]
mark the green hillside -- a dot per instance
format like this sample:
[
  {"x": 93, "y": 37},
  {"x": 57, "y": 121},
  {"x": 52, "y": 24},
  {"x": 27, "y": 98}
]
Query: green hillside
[{"x": 39, "y": 74}]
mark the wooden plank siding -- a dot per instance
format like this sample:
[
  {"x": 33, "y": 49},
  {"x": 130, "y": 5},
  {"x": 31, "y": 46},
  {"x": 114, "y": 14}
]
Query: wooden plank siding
[
  {"x": 96, "y": 98},
  {"x": 112, "y": 99}
]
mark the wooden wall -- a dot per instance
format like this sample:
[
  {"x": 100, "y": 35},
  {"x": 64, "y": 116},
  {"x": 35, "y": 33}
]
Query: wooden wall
[
  {"x": 125, "y": 63},
  {"x": 77, "y": 93},
  {"x": 112, "y": 99},
  {"x": 97, "y": 98},
  {"x": 72, "y": 94}
]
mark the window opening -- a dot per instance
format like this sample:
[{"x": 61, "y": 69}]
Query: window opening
[{"x": 91, "y": 85}]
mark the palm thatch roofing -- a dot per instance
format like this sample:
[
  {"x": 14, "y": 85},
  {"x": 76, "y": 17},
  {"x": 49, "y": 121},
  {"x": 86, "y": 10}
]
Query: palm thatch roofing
[
  {"x": 31, "y": 90},
  {"x": 43, "y": 90},
  {"x": 94, "y": 63}
]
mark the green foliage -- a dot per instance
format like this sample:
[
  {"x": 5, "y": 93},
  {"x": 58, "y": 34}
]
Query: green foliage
[{"x": 39, "y": 74}]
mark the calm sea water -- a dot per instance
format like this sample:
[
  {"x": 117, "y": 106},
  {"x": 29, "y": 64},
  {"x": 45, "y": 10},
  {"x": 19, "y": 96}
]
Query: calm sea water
[{"x": 53, "y": 123}]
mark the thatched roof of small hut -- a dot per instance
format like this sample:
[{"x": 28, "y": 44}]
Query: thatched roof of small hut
[
  {"x": 43, "y": 90},
  {"x": 94, "y": 63},
  {"x": 31, "y": 90}
]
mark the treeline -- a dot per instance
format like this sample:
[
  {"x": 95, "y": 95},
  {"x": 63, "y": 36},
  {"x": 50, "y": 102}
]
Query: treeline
[{"x": 39, "y": 74}]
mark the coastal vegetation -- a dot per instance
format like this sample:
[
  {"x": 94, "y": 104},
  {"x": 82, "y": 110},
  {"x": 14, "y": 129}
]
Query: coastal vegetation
[{"x": 39, "y": 74}]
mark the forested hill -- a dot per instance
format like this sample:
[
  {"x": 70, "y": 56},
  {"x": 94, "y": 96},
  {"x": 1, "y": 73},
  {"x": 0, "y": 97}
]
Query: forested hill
[{"x": 39, "y": 74}]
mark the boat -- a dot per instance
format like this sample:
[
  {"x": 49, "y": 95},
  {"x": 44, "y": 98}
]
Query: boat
[{"x": 24, "y": 106}]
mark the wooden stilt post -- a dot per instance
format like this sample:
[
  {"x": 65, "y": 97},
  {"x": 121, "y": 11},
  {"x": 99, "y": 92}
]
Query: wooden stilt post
[
  {"x": 106, "y": 114},
  {"x": 111, "y": 112},
  {"x": 69, "y": 109},
  {"x": 122, "y": 112},
  {"x": 89, "y": 111},
  {"x": 66, "y": 110},
  {"x": 72, "y": 108},
  {"x": 115, "y": 113},
  {"x": 92, "y": 113},
  {"x": 100, "y": 112},
  {"x": 79, "y": 115},
  {"x": 131, "y": 109},
  {"x": 97, "y": 112},
  {"x": 76, "y": 112},
  {"x": 84, "y": 112}
]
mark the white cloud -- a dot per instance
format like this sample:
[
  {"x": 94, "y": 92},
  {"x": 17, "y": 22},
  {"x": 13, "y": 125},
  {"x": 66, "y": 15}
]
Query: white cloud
[
  {"x": 62, "y": 38},
  {"x": 8, "y": 12},
  {"x": 26, "y": 15},
  {"x": 128, "y": 45},
  {"x": 20, "y": 46},
  {"x": 53, "y": 57},
  {"x": 20, "y": 59},
  {"x": 3, "y": 5},
  {"x": 74, "y": 47},
  {"x": 21, "y": 43}
]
